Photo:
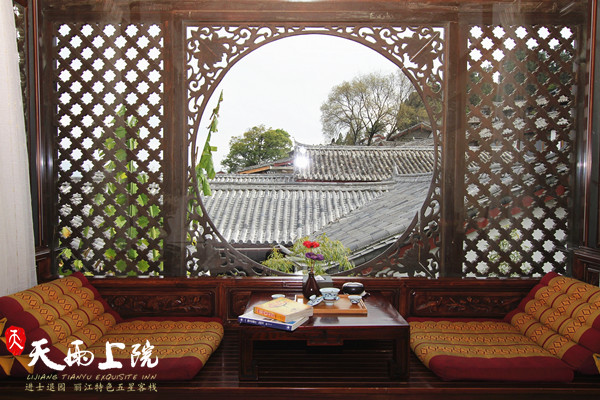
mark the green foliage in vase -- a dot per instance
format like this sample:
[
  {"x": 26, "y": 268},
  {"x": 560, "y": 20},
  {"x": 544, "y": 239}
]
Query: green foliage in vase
[
  {"x": 279, "y": 262},
  {"x": 64, "y": 257},
  {"x": 335, "y": 254}
]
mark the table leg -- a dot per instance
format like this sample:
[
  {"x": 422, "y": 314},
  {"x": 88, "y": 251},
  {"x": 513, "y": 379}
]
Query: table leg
[
  {"x": 247, "y": 370},
  {"x": 398, "y": 367}
]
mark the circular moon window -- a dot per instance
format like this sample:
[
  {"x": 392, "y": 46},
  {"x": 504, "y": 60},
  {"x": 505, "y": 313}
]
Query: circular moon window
[{"x": 319, "y": 138}]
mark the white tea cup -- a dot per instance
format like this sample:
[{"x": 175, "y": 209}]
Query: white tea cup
[{"x": 329, "y": 294}]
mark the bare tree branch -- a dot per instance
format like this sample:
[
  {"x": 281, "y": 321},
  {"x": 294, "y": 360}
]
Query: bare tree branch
[{"x": 369, "y": 105}]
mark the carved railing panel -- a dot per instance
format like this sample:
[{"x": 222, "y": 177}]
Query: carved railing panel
[
  {"x": 446, "y": 304},
  {"x": 212, "y": 50},
  {"x": 197, "y": 305},
  {"x": 227, "y": 298},
  {"x": 586, "y": 265},
  {"x": 237, "y": 302},
  {"x": 520, "y": 148}
]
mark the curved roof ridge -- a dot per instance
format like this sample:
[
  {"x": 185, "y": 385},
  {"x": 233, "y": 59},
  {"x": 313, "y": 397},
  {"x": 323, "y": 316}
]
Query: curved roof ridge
[
  {"x": 303, "y": 186},
  {"x": 400, "y": 147}
]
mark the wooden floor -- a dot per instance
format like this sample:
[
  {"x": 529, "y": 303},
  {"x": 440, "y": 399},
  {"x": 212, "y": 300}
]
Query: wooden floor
[{"x": 358, "y": 370}]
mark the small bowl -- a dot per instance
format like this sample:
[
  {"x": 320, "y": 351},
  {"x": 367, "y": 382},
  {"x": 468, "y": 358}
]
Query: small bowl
[
  {"x": 277, "y": 295},
  {"x": 353, "y": 288},
  {"x": 329, "y": 293},
  {"x": 354, "y": 298}
]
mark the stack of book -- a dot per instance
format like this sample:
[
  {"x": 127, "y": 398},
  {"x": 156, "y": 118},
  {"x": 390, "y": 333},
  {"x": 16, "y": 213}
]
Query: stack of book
[{"x": 279, "y": 313}]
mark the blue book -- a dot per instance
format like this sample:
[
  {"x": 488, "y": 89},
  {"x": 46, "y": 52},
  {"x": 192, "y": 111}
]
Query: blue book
[{"x": 254, "y": 319}]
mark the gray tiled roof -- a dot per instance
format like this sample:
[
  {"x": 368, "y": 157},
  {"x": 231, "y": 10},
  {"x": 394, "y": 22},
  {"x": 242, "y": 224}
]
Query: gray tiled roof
[
  {"x": 260, "y": 211},
  {"x": 364, "y": 196},
  {"x": 283, "y": 164},
  {"x": 364, "y": 163},
  {"x": 269, "y": 209},
  {"x": 384, "y": 219}
]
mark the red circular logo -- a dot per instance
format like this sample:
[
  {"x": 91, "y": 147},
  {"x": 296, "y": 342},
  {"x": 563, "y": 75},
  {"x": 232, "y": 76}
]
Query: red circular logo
[{"x": 15, "y": 340}]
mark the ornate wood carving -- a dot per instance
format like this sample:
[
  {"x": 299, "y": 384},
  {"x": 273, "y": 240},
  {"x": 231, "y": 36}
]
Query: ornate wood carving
[
  {"x": 586, "y": 265},
  {"x": 197, "y": 305},
  {"x": 447, "y": 304},
  {"x": 211, "y": 50},
  {"x": 411, "y": 296},
  {"x": 237, "y": 302}
]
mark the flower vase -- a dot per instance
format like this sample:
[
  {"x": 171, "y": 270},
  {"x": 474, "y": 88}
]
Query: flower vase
[{"x": 310, "y": 287}]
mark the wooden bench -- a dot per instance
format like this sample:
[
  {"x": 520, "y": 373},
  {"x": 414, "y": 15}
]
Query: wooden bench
[
  {"x": 73, "y": 324},
  {"x": 549, "y": 337}
]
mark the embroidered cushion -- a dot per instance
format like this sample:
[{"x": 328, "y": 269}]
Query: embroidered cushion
[
  {"x": 71, "y": 309},
  {"x": 483, "y": 350},
  {"x": 554, "y": 331},
  {"x": 562, "y": 315},
  {"x": 58, "y": 310}
]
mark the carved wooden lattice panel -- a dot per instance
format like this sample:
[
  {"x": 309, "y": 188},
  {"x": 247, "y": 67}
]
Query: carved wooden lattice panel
[
  {"x": 212, "y": 50},
  {"x": 109, "y": 117},
  {"x": 520, "y": 144}
]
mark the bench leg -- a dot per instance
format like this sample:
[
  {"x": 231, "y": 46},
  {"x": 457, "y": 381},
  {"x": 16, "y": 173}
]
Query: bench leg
[
  {"x": 398, "y": 366},
  {"x": 248, "y": 370}
]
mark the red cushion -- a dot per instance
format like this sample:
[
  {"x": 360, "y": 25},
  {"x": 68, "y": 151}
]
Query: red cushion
[
  {"x": 562, "y": 315},
  {"x": 56, "y": 310},
  {"x": 71, "y": 309},
  {"x": 520, "y": 369},
  {"x": 490, "y": 350},
  {"x": 553, "y": 332}
]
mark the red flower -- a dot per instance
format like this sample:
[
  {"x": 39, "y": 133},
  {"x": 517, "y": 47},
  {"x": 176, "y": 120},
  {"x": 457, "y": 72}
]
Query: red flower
[{"x": 310, "y": 245}]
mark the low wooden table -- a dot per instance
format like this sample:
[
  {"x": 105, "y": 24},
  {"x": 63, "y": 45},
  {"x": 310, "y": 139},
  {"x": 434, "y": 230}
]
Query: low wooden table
[{"x": 382, "y": 322}]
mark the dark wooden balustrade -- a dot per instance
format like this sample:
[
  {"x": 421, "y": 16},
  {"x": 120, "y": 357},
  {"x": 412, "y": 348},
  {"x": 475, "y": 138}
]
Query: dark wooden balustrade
[{"x": 227, "y": 297}]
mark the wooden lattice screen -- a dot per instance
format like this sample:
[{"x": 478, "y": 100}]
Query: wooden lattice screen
[
  {"x": 519, "y": 140},
  {"x": 520, "y": 148},
  {"x": 109, "y": 94}
]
